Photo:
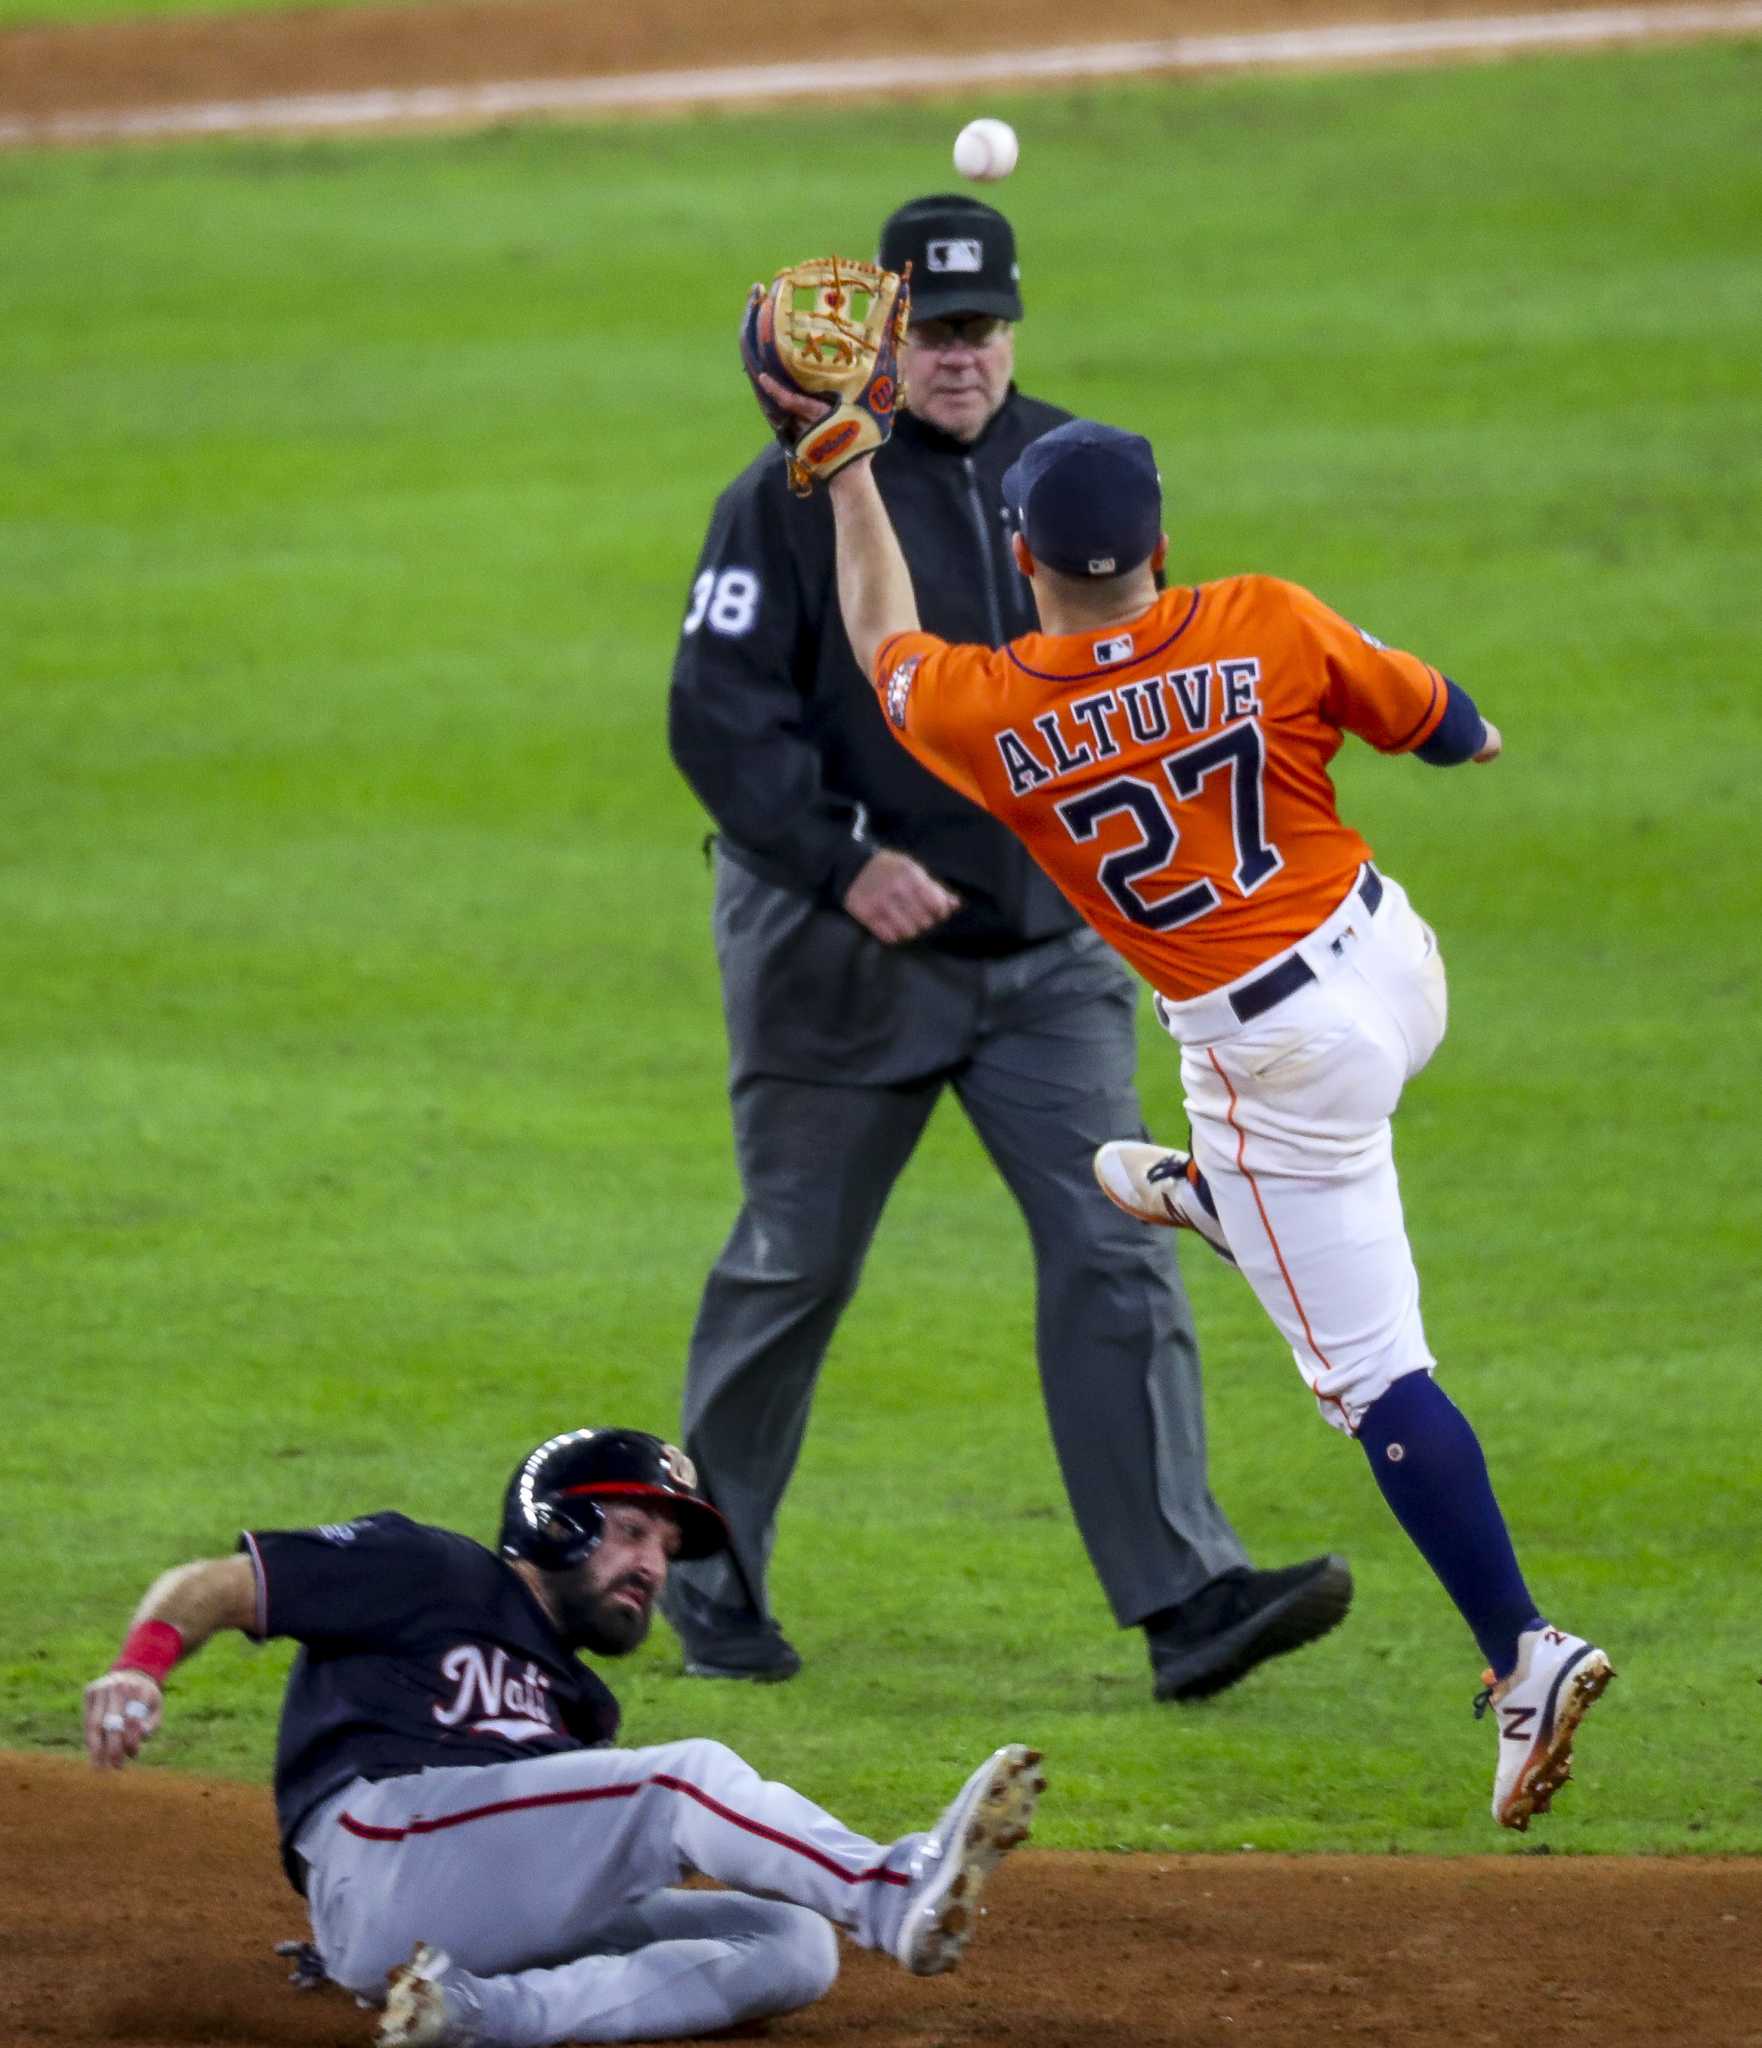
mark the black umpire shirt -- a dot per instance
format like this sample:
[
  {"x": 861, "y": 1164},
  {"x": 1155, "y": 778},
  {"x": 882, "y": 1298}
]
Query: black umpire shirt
[
  {"x": 419, "y": 1650},
  {"x": 777, "y": 729}
]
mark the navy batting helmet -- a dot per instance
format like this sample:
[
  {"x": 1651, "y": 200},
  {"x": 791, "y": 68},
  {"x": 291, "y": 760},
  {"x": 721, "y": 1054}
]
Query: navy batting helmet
[{"x": 551, "y": 1512}]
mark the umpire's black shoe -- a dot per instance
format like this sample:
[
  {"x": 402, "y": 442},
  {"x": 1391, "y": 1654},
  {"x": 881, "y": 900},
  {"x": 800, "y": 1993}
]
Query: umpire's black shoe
[
  {"x": 1240, "y": 1620},
  {"x": 727, "y": 1642}
]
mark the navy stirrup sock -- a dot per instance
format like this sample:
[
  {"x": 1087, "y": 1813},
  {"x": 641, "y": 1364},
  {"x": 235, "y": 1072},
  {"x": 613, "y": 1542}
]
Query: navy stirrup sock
[{"x": 1428, "y": 1462}]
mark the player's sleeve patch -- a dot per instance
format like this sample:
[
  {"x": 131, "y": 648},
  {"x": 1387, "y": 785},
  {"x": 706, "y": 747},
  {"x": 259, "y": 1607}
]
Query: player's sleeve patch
[{"x": 899, "y": 688}]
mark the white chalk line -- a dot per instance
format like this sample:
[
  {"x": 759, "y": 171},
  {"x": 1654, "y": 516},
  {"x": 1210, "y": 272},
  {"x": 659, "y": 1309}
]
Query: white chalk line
[{"x": 863, "y": 77}]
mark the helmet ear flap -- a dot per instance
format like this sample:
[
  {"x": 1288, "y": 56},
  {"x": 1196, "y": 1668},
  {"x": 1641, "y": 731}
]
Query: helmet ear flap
[{"x": 561, "y": 1537}]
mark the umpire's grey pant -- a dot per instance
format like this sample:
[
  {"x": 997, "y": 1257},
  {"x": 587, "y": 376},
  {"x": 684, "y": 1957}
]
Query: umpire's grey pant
[{"x": 839, "y": 1047}]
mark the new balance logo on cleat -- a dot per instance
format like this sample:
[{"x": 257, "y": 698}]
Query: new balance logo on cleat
[
  {"x": 1558, "y": 1678},
  {"x": 1161, "y": 1187}
]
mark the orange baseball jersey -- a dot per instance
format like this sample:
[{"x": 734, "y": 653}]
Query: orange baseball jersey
[{"x": 1171, "y": 775}]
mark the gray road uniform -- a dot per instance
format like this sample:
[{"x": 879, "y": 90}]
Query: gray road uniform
[
  {"x": 840, "y": 1045},
  {"x": 445, "y": 1771}
]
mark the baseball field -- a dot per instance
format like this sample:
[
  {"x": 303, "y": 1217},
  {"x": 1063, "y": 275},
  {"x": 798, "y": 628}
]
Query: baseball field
[{"x": 362, "y": 1087}]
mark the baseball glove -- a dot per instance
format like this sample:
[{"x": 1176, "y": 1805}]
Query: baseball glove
[{"x": 828, "y": 330}]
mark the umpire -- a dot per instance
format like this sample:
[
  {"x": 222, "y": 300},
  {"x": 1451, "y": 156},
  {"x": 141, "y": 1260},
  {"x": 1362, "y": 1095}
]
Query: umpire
[{"x": 880, "y": 939}]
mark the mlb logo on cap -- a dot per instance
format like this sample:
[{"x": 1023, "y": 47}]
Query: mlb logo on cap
[
  {"x": 966, "y": 257},
  {"x": 963, "y": 257}
]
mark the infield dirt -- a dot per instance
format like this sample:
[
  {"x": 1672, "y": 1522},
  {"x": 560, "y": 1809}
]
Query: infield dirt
[
  {"x": 141, "y": 1911},
  {"x": 109, "y": 67}
]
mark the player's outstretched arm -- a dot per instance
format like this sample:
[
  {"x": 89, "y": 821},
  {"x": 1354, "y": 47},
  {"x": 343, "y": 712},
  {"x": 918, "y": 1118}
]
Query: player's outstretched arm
[
  {"x": 180, "y": 1611},
  {"x": 874, "y": 585},
  {"x": 1493, "y": 746}
]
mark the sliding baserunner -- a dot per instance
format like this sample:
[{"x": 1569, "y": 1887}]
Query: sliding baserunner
[{"x": 448, "y": 1792}]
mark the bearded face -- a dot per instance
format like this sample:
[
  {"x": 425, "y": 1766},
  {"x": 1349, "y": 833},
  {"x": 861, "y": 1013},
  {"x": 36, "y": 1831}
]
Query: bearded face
[
  {"x": 605, "y": 1604},
  {"x": 605, "y": 1620}
]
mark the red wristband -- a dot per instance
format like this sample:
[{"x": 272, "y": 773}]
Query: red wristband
[{"x": 150, "y": 1646}]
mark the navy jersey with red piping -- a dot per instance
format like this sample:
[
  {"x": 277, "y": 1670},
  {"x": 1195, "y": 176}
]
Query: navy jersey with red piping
[
  {"x": 419, "y": 1649},
  {"x": 1171, "y": 774}
]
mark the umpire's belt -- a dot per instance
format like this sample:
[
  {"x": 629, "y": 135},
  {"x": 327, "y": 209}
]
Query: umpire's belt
[{"x": 1218, "y": 1013}]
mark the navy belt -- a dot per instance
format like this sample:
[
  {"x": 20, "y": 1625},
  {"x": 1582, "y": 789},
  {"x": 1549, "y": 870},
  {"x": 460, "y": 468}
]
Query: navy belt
[{"x": 1259, "y": 996}]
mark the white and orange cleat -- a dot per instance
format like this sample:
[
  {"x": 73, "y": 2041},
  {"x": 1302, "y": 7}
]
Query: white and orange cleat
[
  {"x": 988, "y": 1817},
  {"x": 1557, "y": 1679},
  {"x": 1162, "y": 1187}
]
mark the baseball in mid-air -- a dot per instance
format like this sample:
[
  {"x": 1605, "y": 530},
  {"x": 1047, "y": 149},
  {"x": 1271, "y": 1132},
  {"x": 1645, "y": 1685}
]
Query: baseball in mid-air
[{"x": 986, "y": 150}]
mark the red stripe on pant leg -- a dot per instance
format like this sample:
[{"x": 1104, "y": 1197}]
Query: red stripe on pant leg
[
  {"x": 369, "y": 1833},
  {"x": 1272, "y": 1237},
  {"x": 877, "y": 1875}
]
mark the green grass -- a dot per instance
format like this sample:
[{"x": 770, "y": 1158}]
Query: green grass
[{"x": 360, "y": 1053}]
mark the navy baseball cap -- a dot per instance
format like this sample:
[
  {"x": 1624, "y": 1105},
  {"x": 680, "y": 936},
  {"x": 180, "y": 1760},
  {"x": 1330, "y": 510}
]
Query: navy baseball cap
[
  {"x": 962, "y": 253},
  {"x": 1087, "y": 499}
]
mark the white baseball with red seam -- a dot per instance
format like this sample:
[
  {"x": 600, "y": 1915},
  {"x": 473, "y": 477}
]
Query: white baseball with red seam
[{"x": 986, "y": 150}]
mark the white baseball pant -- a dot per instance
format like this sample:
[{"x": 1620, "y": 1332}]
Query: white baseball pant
[
  {"x": 548, "y": 1880},
  {"x": 1290, "y": 1117}
]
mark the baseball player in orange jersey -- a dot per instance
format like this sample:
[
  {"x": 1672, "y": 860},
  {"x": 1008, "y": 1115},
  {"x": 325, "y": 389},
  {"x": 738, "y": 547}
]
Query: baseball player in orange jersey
[{"x": 1165, "y": 758}]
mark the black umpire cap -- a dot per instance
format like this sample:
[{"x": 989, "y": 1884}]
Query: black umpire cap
[
  {"x": 1087, "y": 499},
  {"x": 962, "y": 253}
]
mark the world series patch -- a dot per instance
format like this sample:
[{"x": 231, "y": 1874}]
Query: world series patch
[{"x": 899, "y": 689}]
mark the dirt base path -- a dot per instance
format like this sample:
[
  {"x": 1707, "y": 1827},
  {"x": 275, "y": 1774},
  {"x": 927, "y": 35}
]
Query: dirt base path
[
  {"x": 140, "y": 1911},
  {"x": 183, "y": 60}
]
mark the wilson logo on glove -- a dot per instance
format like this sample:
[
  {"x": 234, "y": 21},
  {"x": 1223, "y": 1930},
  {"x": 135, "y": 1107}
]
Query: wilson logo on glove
[{"x": 821, "y": 451}]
